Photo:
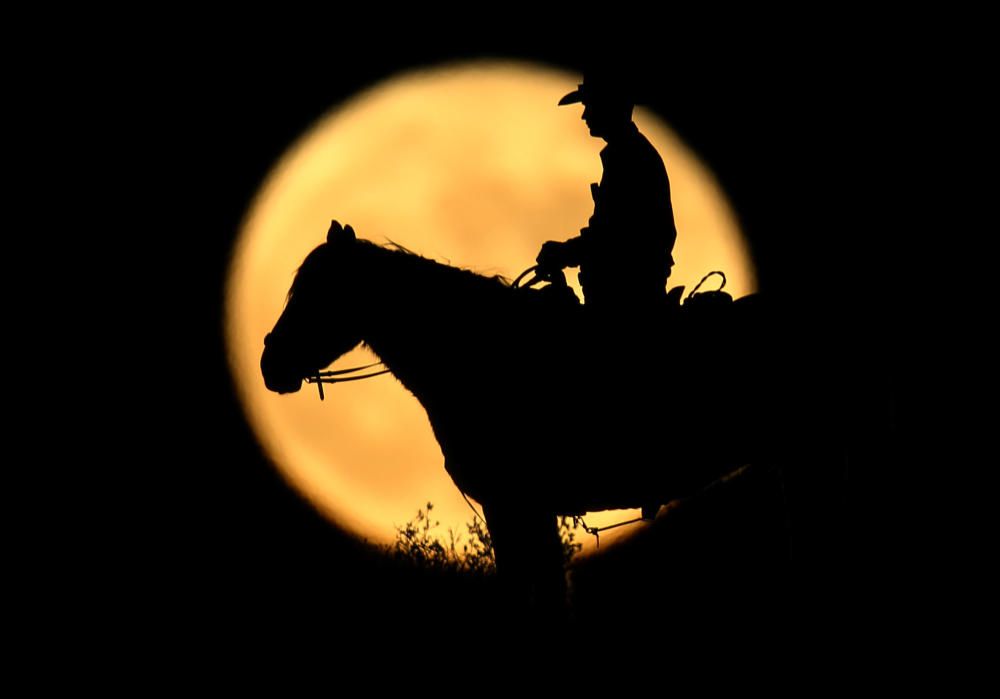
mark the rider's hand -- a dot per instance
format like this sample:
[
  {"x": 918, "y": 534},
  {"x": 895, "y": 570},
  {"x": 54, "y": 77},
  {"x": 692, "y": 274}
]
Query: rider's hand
[{"x": 551, "y": 255}]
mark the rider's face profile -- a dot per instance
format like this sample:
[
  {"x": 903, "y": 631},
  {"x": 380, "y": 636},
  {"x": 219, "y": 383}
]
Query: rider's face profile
[
  {"x": 591, "y": 117},
  {"x": 601, "y": 118}
]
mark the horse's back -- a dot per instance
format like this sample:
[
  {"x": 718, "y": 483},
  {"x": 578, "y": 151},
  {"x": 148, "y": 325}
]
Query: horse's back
[{"x": 609, "y": 410}]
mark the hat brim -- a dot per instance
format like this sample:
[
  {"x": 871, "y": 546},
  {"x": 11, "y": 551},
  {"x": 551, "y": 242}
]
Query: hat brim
[{"x": 572, "y": 98}]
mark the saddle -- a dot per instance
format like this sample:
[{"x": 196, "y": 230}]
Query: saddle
[{"x": 698, "y": 306}]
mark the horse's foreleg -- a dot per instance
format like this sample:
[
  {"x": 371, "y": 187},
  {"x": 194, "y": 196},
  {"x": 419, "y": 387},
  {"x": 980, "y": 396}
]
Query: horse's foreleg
[{"x": 529, "y": 558}]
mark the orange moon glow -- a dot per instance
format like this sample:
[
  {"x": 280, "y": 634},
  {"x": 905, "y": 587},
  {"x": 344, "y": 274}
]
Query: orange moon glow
[{"x": 474, "y": 165}]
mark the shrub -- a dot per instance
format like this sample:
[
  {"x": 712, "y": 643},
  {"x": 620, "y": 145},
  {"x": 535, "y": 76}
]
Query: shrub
[{"x": 418, "y": 542}]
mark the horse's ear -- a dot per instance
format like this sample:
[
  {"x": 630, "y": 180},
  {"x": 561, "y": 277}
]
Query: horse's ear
[{"x": 340, "y": 234}]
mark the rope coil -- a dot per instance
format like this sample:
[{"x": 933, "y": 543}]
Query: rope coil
[
  {"x": 578, "y": 521},
  {"x": 704, "y": 279}
]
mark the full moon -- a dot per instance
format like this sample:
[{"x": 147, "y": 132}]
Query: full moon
[{"x": 472, "y": 164}]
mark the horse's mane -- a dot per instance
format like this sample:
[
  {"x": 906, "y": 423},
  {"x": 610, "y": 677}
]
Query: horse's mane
[
  {"x": 405, "y": 264},
  {"x": 425, "y": 261}
]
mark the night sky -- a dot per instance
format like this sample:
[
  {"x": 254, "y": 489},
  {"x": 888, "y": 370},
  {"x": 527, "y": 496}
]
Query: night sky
[{"x": 205, "y": 529}]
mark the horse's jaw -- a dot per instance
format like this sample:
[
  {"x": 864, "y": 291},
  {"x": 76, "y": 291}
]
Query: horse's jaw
[{"x": 283, "y": 388}]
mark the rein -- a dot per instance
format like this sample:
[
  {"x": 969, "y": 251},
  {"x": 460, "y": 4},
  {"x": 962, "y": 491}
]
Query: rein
[
  {"x": 343, "y": 375},
  {"x": 351, "y": 374},
  {"x": 531, "y": 282},
  {"x": 540, "y": 275}
]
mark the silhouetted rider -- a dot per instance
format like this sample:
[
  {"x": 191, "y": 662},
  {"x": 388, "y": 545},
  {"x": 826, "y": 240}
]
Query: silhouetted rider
[{"x": 624, "y": 253}]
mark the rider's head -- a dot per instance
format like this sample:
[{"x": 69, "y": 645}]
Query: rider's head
[{"x": 607, "y": 104}]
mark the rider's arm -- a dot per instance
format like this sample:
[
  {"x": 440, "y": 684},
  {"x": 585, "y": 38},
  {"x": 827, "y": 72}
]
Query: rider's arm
[
  {"x": 556, "y": 255},
  {"x": 568, "y": 253},
  {"x": 572, "y": 251}
]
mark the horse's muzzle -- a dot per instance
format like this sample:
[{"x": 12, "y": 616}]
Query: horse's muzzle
[{"x": 276, "y": 378}]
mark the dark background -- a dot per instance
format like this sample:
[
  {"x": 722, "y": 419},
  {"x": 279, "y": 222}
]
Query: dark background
[{"x": 205, "y": 530}]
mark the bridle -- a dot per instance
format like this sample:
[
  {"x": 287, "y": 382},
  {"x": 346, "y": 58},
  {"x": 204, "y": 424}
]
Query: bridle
[{"x": 338, "y": 375}]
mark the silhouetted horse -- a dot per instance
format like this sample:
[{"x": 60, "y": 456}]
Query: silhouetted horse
[{"x": 534, "y": 415}]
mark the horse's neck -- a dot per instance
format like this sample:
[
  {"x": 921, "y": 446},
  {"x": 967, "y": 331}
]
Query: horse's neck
[
  {"x": 407, "y": 320},
  {"x": 403, "y": 344}
]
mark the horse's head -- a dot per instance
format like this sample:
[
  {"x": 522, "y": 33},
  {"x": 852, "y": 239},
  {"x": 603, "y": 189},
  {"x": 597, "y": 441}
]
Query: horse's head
[{"x": 319, "y": 323}]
